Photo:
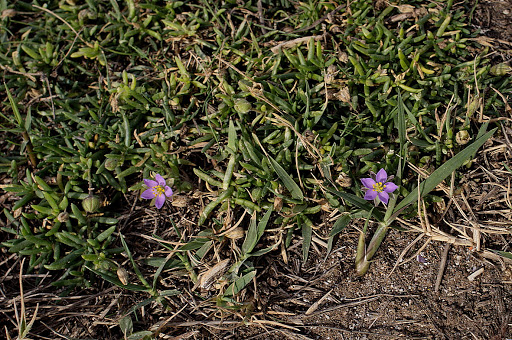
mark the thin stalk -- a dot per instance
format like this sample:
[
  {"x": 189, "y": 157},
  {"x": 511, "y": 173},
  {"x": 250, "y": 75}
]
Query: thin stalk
[
  {"x": 364, "y": 263},
  {"x": 361, "y": 245}
]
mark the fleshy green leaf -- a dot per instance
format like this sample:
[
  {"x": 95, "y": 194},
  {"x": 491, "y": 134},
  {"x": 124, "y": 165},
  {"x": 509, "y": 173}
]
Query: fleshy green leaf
[{"x": 103, "y": 236}]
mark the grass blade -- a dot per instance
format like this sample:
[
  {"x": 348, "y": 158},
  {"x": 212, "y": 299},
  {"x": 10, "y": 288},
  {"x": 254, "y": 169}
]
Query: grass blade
[
  {"x": 337, "y": 228},
  {"x": 443, "y": 171},
  {"x": 135, "y": 267},
  {"x": 288, "y": 182},
  {"x": 358, "y": 202},
  {"x": 240, "y": 283},
  {"x": 255, "y": 232},
  {"x": 15, "y": 110},
  {"x": 307, "y": 234},
  {"x": 114, "y": 280}
]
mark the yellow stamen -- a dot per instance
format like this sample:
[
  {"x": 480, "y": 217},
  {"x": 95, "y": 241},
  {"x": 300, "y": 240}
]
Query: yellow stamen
[
  {"x": 379, "y": 187},
  {"x": 158, "y": 190}
]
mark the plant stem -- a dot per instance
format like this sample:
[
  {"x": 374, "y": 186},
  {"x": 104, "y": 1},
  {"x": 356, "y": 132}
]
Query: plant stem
[{"x": 364, "y": 261}]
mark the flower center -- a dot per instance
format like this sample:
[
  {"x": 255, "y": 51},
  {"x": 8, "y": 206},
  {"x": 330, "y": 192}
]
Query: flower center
[
  {"x": 379, "y": 187},
  {"x": 158, "y": 190}
]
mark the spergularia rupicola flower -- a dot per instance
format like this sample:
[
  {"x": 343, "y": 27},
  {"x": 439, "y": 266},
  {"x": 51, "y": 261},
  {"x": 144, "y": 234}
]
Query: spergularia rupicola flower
[
  {"x": 378, "y": 186},
  {"x": 158, "y": 190}
]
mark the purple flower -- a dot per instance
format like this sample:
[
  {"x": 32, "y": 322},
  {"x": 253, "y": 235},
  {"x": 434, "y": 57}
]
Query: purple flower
[
  {"x": 157, "y": 189},
  {"x": 421, "y": 259},
  {"x": 378, "y": 186}
]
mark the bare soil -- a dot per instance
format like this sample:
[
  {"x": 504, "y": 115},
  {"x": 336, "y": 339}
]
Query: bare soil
[{"x": 494, "y": 17}]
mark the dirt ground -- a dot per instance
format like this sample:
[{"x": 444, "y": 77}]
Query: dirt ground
[
  {"x": 494, "y": 17},
  {"x": 324, "y": 298}
]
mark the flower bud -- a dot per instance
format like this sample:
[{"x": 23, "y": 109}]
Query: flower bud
[
  {"x": 473, "y": 105},
  {"x": 91, "y": 203},
  {"x": 8, "y": 13},
  {"x": 63, "y": 217},
  {"x": 242, "y": 105},
  {"x": 111, "y": 164},
  {"x": 278, "y": 203},
  {"x": 462, "y": 137},
  {"x": 122, "y": 275},
  {"x": 236, "y": 233},
  {"x": 500, "y": 70}
]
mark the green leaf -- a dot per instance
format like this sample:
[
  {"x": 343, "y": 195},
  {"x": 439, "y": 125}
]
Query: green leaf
[
  {"x": 240, "y": 283},
  {"x": 337, "y": 228},
  {"x": 51, "y": 201},
  {"x": 402, "y": 129},
  {"x": 250, "y": 239},
  {"x": 24, "y": 200},
  {"x": 43, "y": 210},
  {"x": 160, "y": 269},
  {"x": 78, "y": 215},
  {"x": 194, "y": 244},
  {"x": 64, "y": 261},
  {"x": 17, "y": 247},
  {"x": 232, "y": 137},
  {"x": 358, "y": 202},
  {"x": 37, "y": 240},
  {"x": 307, "y": 233},
  {"x": 103, "y": 236},
  {"x": 443, "y": 171},
  {"x": 139, "y": 335},
  {"x": 255, "y": 232},
  {"x": 14, "y": 107},
  {"x": 135, "y": 267},
  {"x": 115, "y": 280},
  {"x": 288, "y": 182},
  {"x": 262, "y": 251},
  {"x": 126, "y": 325},
  {"x": 418, "y": 126},
  {"x": 209, "y": 208},
  {"x": 90, "y": 257},
  {"x": 480, "y": 133},
  {"x": 503, "y": 253},
  {"x": 169, "y": 292}
]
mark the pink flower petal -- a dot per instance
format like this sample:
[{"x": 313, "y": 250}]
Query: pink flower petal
[
  {"x": 168, "y": 191},
  {"x": 368, "y": 182},
  {"x": 390, "y": 187},
  {"x": 160, "y": 179},
  {"x": 159, "y": 201},
  {"x": 382, "y": 176},
  {"x": 370, "y": 195},
  {"x": 384, "y": 197},
  {"x": 148, "y": 194},
  {"x": 150, "y": 183}
]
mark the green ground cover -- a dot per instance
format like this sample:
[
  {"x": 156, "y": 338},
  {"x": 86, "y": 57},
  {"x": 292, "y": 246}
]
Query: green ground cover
[{"x": 277, "y": 116}]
